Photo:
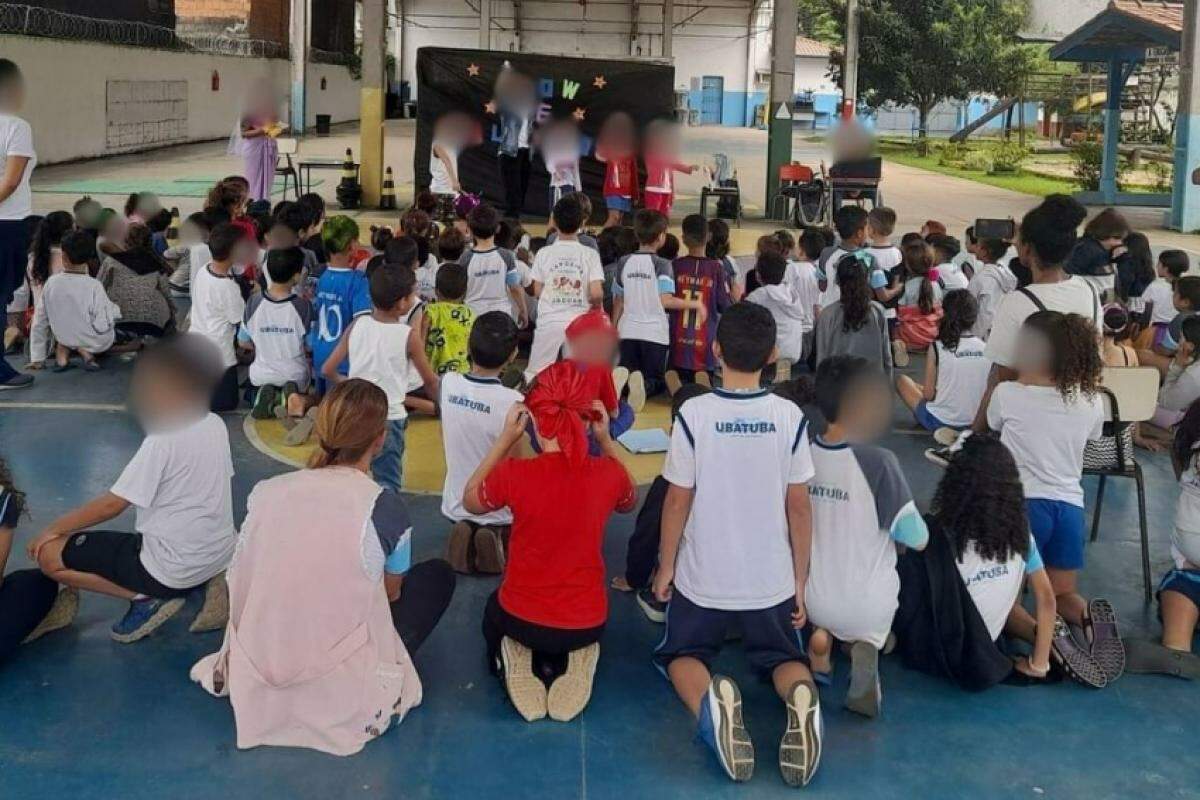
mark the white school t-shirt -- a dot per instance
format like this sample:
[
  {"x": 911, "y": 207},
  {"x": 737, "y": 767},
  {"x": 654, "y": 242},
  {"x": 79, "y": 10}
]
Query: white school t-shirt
[
  {"x": 16, "y": 141},
  {"x": 805, "y": 282},
  {"x": 1046, "y": 435},
  {"x": 379, "y": 354},
  {"x": 952, "y": 277},
  {"x": 791, "y": 321},
  {"x": 962, "y": 376},
  {"x": 861, "y": 506},
  {"x": 278, "y": 330},
  {"x": 739, "y": 451},
  {"x": 427, "y": 279},
  {"x": 640, "y": 281},
  {"x": 490, "y": 273},
  {"x": 566, "y": 270},
  {"x": 473, "y": 411},
  {"x": 994, "y": 585},
  {"x": 1162, "y": 294},
  {"x": 217, "y": 309},
  {"x": 179, "y": 482},
  {"x": 1072, "y": 296}
]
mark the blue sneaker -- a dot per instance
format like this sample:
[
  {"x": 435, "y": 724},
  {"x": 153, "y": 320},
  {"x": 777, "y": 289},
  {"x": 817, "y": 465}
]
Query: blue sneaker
[
  {"x": 720, "y": 727},
  {"x": 144, "y": 617}
]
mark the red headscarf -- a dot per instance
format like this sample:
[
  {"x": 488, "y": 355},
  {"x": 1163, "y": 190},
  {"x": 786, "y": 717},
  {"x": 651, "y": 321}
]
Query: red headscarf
[{"x": 560, "y": 402}]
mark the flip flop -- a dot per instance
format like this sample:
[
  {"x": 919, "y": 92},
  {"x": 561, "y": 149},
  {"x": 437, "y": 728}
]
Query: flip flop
[
  {"x": 1072, "y": 659},
  {"x": 1100, "y": 627},
  {"x": 1151, "y": 658}
]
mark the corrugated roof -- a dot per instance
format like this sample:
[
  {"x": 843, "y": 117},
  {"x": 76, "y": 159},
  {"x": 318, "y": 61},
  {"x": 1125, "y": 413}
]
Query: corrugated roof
[{"x": 811, "y": 47}]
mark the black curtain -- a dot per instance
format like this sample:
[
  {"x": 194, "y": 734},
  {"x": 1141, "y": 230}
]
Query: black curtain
[{"x": 461, "y": 80}]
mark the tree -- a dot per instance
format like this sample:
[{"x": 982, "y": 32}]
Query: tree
[{"x": 921, "y": 52}]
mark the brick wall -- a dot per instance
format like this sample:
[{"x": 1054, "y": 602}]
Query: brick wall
[{"x": 255, "y": 19}]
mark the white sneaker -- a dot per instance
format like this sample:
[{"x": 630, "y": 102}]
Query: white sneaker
[
  {"x": 800, "y": 747},
  {"x": 525, "y": 690},
  {"x": 899, "y": 353},
  {"x": 637, "y": 392},
  {"x": 620, "y": 376}
]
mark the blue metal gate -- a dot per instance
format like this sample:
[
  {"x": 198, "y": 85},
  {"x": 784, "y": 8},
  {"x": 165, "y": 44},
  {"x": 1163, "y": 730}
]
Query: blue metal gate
[{"x": 712, "y": 90}]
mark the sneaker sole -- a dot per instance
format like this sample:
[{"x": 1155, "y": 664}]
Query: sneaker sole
[
  {"x": 458, "y": 548},
  {"x": 932, "y": 456},
  {"x": 61, "y": 614},
  {"x": 299, "y": 434},
  {"x": 800, "y": 747},
  {"x": 1077, "y": 663},
  {"x": 264, "y": 403},
  {"x": 571, "y": 691},
  {"x": 164, "y": 613},
  {"x": 1107, "y": 648},
  {"x": 9, "y": 387},
  {"x": 945, "y": 436},
  {"x": 900, "y": 356},
  {"x": 489, "y": 552},
  {"x": 865, "y": 695},
  {"x": 214, "y": 612},
  {"x": 733, "y": 740},
  {"x": 637, "y": 392},
  {"x": 653, "y": 614},
  {"x": 525, "y": 690}
]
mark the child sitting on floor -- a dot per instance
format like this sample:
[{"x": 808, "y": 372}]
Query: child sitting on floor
[
  {"x": 568, "y": 279},
  {"x": 793, "y": 325},
  {"x": 945, "y": 251},
  {"x": 493, "y": 280},
  {"x": 861, "y": 507},
  {"x": 977, "y": 524},
  {"x": 1172, "y": 265},
  {"x": 448, "y": 323},
  {"x": 179, "y": 482},
  {"x": 82, "y": 318},
  {"x": 643, "y": 293},
  {"x": 956, "y": 371},
  {"x": 1179, "y": 590},
  {"x": 342, "y": 294},
  {"x": 218, "y": 307},
  {"x": 1046, "y": 418},
  {"x": 275, "y": 328},
  {"x": 990, "y": 282},
  {"x": 379, "y": 347},
  {"x": 739, "y": 451},
  {"x": 543, "y": 625},
  {"x": 474, "y": 406},
  {"x": 1185, "y": 302},
  {"x": 855, "y": 324},
  {"x": 696, "y": 277},
  {"x": 920, "y": 307}
]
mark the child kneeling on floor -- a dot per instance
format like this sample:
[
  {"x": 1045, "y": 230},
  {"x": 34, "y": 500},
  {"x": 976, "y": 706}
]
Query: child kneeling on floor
[
  {"x": 543, "y": 626},
  {"x": 179, "y": 484},
  {"x": 82, "y": 318},
  {"x": 862, "y": 507},
  {"x": 275, "y": 327},
  {"x": 474, "y": 406},
  {"x": 736, "y": 534}
]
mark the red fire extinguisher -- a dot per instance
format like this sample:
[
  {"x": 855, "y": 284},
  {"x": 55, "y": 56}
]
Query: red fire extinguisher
[{"x": 216, "y": 81}]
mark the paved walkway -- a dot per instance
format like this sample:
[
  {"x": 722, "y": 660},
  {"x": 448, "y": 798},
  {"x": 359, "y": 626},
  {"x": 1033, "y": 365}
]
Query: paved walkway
[{"x": 917, "y": 195}]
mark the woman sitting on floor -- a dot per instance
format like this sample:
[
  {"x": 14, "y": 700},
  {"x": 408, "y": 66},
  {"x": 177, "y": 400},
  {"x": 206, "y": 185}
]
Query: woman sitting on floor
[
  {"x": 136, "y": 280},
  {"x": 325, "y": 606}
]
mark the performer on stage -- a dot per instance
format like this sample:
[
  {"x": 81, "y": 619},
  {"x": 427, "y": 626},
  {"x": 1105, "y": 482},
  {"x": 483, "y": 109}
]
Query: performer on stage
[
  {"x": 254, "y": 138},
  {"x": 516, "y": 104}
]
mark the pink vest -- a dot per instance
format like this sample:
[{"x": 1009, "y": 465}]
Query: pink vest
[{"x": 310, "y": 657}]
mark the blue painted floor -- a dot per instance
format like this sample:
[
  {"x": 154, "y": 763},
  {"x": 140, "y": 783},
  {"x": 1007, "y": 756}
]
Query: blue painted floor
[{"x": 84, "y": 717}]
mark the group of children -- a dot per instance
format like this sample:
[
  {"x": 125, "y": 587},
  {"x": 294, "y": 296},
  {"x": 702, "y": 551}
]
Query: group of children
[{"x": 777, "y": 517}]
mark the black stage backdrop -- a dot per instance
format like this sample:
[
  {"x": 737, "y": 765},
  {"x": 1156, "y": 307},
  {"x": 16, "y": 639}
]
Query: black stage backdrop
[{"x": 462, "y": 80}]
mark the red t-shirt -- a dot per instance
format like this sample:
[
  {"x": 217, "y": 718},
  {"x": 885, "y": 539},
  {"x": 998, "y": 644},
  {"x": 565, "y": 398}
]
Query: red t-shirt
[
  {"x": 620, "y": 177},
  {"x": 555, "y": 571}
]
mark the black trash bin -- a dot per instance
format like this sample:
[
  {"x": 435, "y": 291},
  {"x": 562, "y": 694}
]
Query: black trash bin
[{"x": 324, "y": 121}]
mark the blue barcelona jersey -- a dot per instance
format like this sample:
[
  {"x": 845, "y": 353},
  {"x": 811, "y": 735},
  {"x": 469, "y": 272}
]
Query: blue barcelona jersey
[{"x": 340, "y": 297}]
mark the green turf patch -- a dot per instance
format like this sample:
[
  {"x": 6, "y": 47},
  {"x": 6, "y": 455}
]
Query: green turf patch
[{"x": 178, "y": 187}]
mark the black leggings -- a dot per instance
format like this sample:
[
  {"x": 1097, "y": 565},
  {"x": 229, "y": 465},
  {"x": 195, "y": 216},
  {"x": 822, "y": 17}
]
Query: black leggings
[
  {"x": 549, "y": 645},
  {"x": 424, "y": 597},
  {"x": 25, "y": 599},
  {"x": 225, "y": 394}
]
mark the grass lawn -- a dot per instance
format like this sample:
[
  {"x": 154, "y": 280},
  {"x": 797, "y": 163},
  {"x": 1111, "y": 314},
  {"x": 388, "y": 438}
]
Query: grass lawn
[{"x": 1024, "y": 182}]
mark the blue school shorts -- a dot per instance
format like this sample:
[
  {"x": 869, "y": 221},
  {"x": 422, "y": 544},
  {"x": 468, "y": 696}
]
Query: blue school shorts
[
  {"x": 1058, "y": 528},
  {"x": 1184, "y": 581},
  {"x": 615, "y": 202},
  {"x": 768, "y": 638},
  {"x": 926, "y": 419}
]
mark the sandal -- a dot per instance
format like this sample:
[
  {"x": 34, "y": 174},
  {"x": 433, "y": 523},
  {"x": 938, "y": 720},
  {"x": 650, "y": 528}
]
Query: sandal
[
  {"x": 1100, "y": 627},
  {"x": 1072, "y": 659},
  {"x": 1151, "y": 658}
]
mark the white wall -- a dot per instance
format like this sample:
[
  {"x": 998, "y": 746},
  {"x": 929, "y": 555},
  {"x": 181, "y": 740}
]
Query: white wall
[
  {"x": 66, "y": 103},
  {"x": 812, "y": 75}
]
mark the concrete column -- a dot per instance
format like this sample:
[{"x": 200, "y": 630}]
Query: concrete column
[
  {"x": 485, "y": 24},
  {"x": 374, "y": 59},
  {"x": 779, "y": 107},
  {"x": 1185, "y": 199},
  {"x": 850, "y": 72},
  {"x": 668, "y": 29},
  {"x": 1112, "y": 130},
  {"x": 298, "y": 36}
]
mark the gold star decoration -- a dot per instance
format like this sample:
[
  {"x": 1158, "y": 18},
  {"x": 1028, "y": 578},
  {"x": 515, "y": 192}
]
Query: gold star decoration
[
  {"x": 473, "y": 70},
  {"x": 599, "y": 82},
  {"x": 489, "y": 107},
  {"x": 579, "y": 114}
]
